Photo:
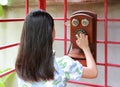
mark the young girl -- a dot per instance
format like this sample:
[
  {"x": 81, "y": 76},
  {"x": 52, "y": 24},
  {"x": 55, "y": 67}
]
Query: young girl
[{"x": 36, "y": 64}]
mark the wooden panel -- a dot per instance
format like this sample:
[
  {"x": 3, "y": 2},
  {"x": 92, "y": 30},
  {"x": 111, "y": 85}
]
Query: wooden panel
[{"x": 86, "y": 22}]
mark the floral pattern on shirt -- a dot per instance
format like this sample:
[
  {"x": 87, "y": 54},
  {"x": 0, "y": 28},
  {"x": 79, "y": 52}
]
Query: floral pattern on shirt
[{"x": 66, "y": 69}]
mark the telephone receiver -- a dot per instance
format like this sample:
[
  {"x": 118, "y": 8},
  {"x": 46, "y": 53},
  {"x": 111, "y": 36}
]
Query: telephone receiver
[{"x": 85, "y": 22}]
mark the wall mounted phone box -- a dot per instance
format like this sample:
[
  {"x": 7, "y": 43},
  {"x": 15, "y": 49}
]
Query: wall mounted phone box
[{"x": 83, "y": 22}]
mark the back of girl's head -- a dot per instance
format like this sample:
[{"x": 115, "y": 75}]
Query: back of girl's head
[{"x": 35, "y": 57}]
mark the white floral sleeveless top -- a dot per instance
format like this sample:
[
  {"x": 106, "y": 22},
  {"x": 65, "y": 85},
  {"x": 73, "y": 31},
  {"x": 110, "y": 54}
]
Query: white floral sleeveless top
[{"x": 67, "y": 69}]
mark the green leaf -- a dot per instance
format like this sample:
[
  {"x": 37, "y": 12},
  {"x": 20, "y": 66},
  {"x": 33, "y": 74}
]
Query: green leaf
[
  {"x": 1, "y": 10},
  {"x": 5, "y": 78},
  {"x": 78, "y": 71},
  {"x": 67, "y": 75},
  {"x": 0, "y": 71},
  {"x": 10, "y": 2},
  {"x": 55, "y": 82},
  {"x": 2, "y": 84}
]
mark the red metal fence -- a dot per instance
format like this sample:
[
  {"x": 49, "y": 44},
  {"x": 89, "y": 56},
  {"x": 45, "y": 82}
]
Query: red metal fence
[{"x": 105, "y": 20}]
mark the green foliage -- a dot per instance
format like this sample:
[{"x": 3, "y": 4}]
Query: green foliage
[
  {"x": 1, "y": 13},
  {"x": 5, "y": 78},
  {"x": 2, "y": 84}
]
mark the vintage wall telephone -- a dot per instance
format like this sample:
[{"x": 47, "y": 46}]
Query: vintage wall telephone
[{"x": 83, "y": 22}]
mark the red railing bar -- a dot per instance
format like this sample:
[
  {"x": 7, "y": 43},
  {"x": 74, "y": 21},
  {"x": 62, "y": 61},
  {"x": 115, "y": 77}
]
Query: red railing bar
[
  {"x": 59, "y": 18},
  {"x": 98, "y": 19},
  {"x": 114, "y": 65},
  {"x": 39, "y": 4},
  {"x": 114, "y": 19},
  {"x": 27, "y": 7},
  {"x": 42, "y": 4},
  {"x": 55, "y": 18},
  {"x": 106, "y": 41},
  {"x": 60, "y": 39},
  {"x": 98, "y": 41},
  {"x": 87, "y": 84},
  {"x": 65, "y": 27},
  {"x": 109, "y": 42},
  {"x": 6, "y": 73},
  {"x": 109, "y": 19},
  {"x": 113, "y": 42},
  {"x": 22, "y": 19},
  {"x": 109, "y": 64},
  {"x": 16, "y": 44},
  {"x": 8, "y": 46},
  {"x": 101, "y": 64},
  {"x": 12, "y": 20}
]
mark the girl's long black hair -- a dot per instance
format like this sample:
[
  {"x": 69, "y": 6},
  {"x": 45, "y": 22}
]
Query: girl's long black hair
[{"x": 35, "y": 60}]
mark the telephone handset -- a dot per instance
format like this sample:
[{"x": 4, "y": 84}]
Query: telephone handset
[{"x": 83, "y": 22}]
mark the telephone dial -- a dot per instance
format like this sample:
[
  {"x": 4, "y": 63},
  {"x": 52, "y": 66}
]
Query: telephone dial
[{"x": 83, "y": 22}]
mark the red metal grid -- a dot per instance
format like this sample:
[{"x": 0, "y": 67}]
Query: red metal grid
[
  {"x": 65, "y": 27},
  {"x": 27, "y": 6},
  {"x": 106, "y": 39},
  {"x": 42, "y": 5}
]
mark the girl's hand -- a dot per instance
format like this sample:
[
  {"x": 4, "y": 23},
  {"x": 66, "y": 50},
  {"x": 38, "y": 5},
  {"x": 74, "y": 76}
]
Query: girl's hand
[{"x": 82, "y": 41}]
